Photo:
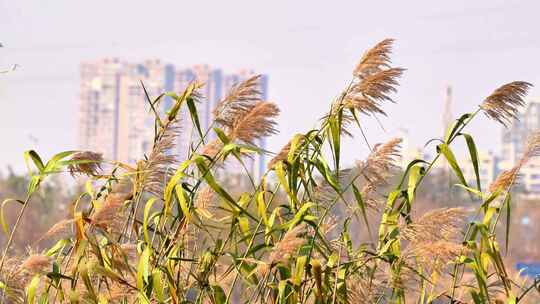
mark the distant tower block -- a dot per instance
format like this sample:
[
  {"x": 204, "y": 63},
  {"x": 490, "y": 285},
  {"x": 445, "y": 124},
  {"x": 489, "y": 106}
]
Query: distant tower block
[
  {"x": 447, "y": 114},
  {"x": 447, "y": 121}
]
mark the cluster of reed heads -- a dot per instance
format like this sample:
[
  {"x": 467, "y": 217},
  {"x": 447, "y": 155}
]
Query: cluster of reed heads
[{"x": 167, "y": 230}]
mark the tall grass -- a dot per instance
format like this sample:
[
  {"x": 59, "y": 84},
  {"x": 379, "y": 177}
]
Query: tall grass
[{"x": 168, "y": 230}]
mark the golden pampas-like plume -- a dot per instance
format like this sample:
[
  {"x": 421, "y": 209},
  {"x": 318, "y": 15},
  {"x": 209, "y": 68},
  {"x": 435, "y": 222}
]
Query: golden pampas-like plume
[
  {"x": 505, "y": 179},
  {"x": 238, "y": 101},
  {"x": 369, "y": 196},
  {"x": 159, "y": 167},
  {"x": 283, "y": 154},
  {"x": 86, "y": 162},
  {"x": 256, "y": 123},
  {"x": 288, "y": 246},
  {"x": 62, "y": 227},
  {"x": 509, "y": 177},
  {"x": 380, "y": 162},
  {"x": 434, "y": 237},
  {"x": 367, "y": 95},
  {"x": 532, "y": 149},
  {"x": 366, "y": 289},
  {"x": 37, "y": 263},
  {"x": 375, "y": 59},
  {"x": 375, "y": 80},
  {"x": 436, "y": 225},
  {"x": 436, "y": 255},
  {"x": 212, "y": 148},
  {"x": 504, "y": 103},
  {"x": 105, "y": 215},
  {"x": 203, "y": 201},
  {"x": 13, "y": 280}
]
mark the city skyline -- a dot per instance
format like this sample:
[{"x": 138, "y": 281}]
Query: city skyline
[
  {"x": 115, "y": 118},
  {"x": 468, "y": 44}
]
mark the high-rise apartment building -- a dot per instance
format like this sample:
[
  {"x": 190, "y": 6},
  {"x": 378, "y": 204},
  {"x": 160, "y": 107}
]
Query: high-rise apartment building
[
  {"x": 115, "y": 118},
  {"x": 114, "y": 114},
  {"x": 514, "y": 141}
]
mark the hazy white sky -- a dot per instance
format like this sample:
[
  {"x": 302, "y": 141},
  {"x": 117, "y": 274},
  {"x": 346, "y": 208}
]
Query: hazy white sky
[{"x": 308, "y": 48}]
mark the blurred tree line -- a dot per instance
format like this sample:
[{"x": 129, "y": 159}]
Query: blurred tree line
[{"x": 49, "y": 206}]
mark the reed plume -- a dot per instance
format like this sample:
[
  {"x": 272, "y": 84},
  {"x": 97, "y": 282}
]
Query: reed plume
[
  {"x": 435, "y": 225},
  {"x": 37, "y": 263},
  {"x": 375, "y": 59},
  {"x": 85, "y": 162},
  {"x": 106, "y": 215},
  {"x": 159, "y": 167},
  {"x": 375, "y": 80},
  {"x": 203, "y": 201},
  {"x": 288, "y": 246},
  {"x": 238, "y": 101},
  {"x": 243, "y": 115},
  {"x": 62, "y": 227},
  {"x": 434, "y": 256},
  {"x": 212, "y": 148},
  {"x": 366, "y": 96},
  {"x": 504, "y": 103},
  {"x": 505, "y": 179},
  {"x": 380, "y": 162},
  {"x": 13, "y": 281},
  {"x": 532, "y": 149},
  {"x": 283, "y": 154},
  {"x": 366, "y": 289},
  {"x": 257, "y": 122},
  {"x": 509, "y": 177}
]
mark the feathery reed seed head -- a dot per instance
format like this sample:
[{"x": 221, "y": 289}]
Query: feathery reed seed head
[
  {"x": 380, "y": 162},
  {"x": 238, "y": 101},
  {"x": 532, "y": 149},
  {"x": 375, "y": 80},
  {"x": 504, "y": 103},
  {"x": 288, "y": 246},
  {"x": 375, "y": 59},
  {"x": 86, "y": 162},
  {"x": 36, "y": 263},
  {"x": 257, "y": 122},
  {"x": 437, "y": 224}
]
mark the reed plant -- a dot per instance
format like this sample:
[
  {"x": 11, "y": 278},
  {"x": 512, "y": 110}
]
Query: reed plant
[{"x": 168, "y": 230}]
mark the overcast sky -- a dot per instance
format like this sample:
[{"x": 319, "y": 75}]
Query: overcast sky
[{"x": 308, "y": 49}]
